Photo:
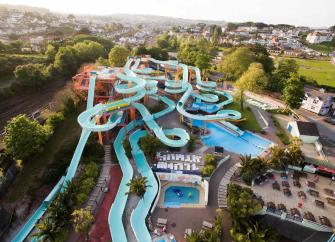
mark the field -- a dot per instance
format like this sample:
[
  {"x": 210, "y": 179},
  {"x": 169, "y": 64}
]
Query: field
[{"x": 323, "y": 72}]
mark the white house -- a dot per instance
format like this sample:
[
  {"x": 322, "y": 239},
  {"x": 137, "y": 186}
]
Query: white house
[
  {"x": 319, "y": 37},
  {"x": 306, "y": 131},
  {"x": 317, "y": 101}
]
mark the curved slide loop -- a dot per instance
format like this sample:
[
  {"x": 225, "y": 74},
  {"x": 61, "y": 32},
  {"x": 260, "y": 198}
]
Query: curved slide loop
[{"x": 148, "y": 118}]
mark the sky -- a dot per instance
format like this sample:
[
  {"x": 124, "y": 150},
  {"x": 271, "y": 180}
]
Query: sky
[{"x": 313, "y": 13}]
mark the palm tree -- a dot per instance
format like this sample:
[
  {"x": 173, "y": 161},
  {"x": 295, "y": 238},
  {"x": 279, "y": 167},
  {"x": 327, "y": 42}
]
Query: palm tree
[
  {"x": 138, "y": 186},
  {"x": 47, "y": 230},
  {"x": 194, "y": 237}
]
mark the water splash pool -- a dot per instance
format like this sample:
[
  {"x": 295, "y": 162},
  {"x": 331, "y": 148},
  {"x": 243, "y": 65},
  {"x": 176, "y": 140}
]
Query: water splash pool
[
  {"x": 175, "y": 196},
  {"x": 245, "y": 144}
]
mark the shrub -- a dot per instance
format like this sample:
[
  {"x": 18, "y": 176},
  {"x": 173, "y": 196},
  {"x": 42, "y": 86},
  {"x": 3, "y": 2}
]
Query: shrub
[
  {"x": 191, "y": 143},
  {"x": 127, "y": 147},
  {"x": 208, "y": 170},
  {"x": 54, "y": 120}
]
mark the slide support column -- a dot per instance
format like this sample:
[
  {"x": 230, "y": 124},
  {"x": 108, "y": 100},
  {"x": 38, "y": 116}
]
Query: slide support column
[{"x": 97, "y": 120}]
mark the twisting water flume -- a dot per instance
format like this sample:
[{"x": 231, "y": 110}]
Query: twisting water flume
[{"x": 128, "y": 88}]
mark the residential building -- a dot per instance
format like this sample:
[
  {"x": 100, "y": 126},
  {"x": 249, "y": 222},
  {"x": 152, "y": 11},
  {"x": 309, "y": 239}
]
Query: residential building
[
  {"x": 317, "y": 101},
  {"x": 317, "y": 37}
]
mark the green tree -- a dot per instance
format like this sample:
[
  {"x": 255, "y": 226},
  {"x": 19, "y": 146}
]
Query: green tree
[
  {"x": 65, "y": 61},
  {"x": 241, "y": 203},
  {"x": 150, "y": 145},
  {"x": 253, "y": 80},
  {"x": 102, "y": 62},
  {"x": 277, "y": 159},
  {"x": 236, "y": 63},
  {"x": 24, "y": 137},
  {"x": 88, "y": 51},
  {"x": 47, "y": 230},
  {"x": 158, "y": 53},
  {"x": 203, "y": 61},
  {"x": 293, "y": 93},
  {"x": 50, "y": 53},
  {"x": 285, "y": 69},
  {"x": 262, "y": 56},
  {"x": 118, "y": 56},
  {"x": 82, "y": 220},
  {"x": 30, "y": 75},
  {"x": 294, "y": 155},
  {"x": 251, "y": 167},
  {"x": 194, "y": 237},
  {"x": 163, "y": 41},
  {"x": 138, "y": 186}
]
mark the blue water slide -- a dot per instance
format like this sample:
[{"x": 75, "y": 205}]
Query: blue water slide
[
  {"x": 143, "y": 207},
  {"x": 162, "y": 135},
  {"x": 116, "y": 227}
]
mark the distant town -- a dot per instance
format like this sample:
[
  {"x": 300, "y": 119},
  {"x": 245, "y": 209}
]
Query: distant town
[{"x": 42, "y": 27}]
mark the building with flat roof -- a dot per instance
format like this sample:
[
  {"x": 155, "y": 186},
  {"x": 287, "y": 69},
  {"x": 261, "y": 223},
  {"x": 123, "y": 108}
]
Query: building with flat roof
[{"x": 306, "y": 131}]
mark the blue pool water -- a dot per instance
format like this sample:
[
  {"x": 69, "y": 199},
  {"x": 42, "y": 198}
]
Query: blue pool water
[
  {"x": 186, "y": 195},
  {"x": 246, "y": 144}
]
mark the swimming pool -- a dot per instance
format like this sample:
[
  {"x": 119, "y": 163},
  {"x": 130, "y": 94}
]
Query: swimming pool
[
  {"x": 175, "y": 196},
  {"x": 245, "y": 144}
]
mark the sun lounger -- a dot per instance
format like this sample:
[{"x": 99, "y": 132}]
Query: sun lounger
[
  {"x": 188, "y": 232},
  {"x": 161, "y": 222},
  {"x": 206, "y": 225}
]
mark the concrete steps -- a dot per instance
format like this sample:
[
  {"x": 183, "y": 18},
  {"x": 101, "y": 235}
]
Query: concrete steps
[
  {"x": 222, "y": 190},
  {"x": 108, "y": 156}
]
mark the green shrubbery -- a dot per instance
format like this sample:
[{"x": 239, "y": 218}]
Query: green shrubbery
[
  {"x": 54, "y": 120},
  {"x": 242, "y": 205},
  {"x": 150, "y": 145},
  {"x": 210, "y": 165},
  {"x": 59, "y": 215}
]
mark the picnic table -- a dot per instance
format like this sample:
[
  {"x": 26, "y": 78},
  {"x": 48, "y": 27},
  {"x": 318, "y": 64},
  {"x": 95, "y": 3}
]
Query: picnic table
[
  {"x": 302, "y": 194},
  {"x": 313, "y": 193},
  {"x": 295, "y": 212},
  {"x": 296, "y": 175},
  {"x": 309, "y": 216},
  {"x": 281, "y": 207},
  {"x": 329, "y": 192},
  {"x": 276, "y": 186},
  {"x": 283, "y": 175},
  {"x": 285, "y": 184},
  {"x": 325, "y": 221},
  {"x": 319, "y": 203},
  {"x": 296, "y": 183},
  {"x": 271, "y": 205},
  {"x": 310, "y": 184},
  {"x": 287, "y": 192},
  {"x": 331, "y": 201}
]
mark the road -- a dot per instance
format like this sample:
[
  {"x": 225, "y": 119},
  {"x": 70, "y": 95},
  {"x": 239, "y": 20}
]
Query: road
[{"x": 325, "y": 129}]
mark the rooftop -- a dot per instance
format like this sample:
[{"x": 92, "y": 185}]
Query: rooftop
[{"x": 307, "y": 128}]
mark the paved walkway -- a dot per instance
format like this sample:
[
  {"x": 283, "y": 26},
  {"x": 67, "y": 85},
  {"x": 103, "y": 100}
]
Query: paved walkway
[
  {"x": 213, "y": 193},
  {"x": 100, "y": 229}
]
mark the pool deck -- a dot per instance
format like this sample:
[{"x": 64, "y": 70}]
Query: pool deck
[
  {"x": 184, "y": 218},
  {"x": 165, "y": 185}
]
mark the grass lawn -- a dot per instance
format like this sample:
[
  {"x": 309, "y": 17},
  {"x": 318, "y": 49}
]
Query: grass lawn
[
  {"x": 323, "y": 72},
  {"x": 250, "y": 123},
  {"x": 68, "y": 130},
  {"x": 281, "y": 133}
]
